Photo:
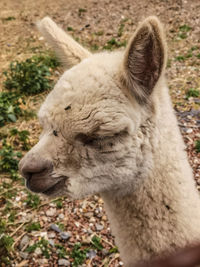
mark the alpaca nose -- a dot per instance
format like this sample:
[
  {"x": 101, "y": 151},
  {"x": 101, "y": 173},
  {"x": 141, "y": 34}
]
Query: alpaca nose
[{"x": 31, "y": 165}]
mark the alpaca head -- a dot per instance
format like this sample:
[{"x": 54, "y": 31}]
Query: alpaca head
[{"x": 92, "y": 139}]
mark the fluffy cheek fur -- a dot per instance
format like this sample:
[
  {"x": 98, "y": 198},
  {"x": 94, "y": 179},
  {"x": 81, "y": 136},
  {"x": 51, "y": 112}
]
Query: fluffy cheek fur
[{"x": 108, "y": 170}]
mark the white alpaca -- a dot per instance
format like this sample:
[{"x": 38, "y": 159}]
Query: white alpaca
[{"x": 109, "y": 128}]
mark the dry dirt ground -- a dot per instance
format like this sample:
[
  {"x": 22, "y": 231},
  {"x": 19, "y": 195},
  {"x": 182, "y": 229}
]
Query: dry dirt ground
[{"x": 94, "y": 23}]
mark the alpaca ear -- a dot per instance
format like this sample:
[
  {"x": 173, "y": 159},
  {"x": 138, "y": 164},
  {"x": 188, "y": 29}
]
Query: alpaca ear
[
  {"x": 144, "y": 60},
  {"x": 68, "y": 50}
]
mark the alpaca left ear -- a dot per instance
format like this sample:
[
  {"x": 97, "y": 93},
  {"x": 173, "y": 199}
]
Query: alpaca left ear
[
  {"x": 144, "y": 60},
  {"x": 67, "y": 49}
]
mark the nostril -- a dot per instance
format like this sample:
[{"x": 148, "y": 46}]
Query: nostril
[
  {"x": 27, "y": 173},
  {"x": 33, "y": 167}
]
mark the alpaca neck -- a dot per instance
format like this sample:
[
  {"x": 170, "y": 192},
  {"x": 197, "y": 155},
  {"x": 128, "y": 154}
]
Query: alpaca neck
[{"x": 161, "y": 215}]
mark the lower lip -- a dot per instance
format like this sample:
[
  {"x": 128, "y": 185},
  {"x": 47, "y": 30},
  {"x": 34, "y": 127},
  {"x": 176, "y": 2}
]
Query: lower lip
[{"x": 52, "y": 189}]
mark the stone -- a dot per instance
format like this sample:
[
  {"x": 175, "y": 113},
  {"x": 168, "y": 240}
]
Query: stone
[
  {"x": 63, "y": 262},
  {"x": 99, "y": 227},
  {"x": 189, "y": 130},
  {"x": 105, "y": 252},
  {"x": 55, "y": 228},
  {"x": 42, "y": 261},
  {"x": 92, "y": 220},
  {"x": 65, "y": 235},
  {"x": 51, "y": 235},
  {"x": 24, "y": 242},
  {"x": 38, "y": 251},
  {"x": 51, "y": 212},
  {"x": 91, "y": 254},
  {"x": 88, "y": 214},
  {"x": 61, "y": 216},
  {"x": 23, "y": 255},
  {"x": 51, "y": 242}
]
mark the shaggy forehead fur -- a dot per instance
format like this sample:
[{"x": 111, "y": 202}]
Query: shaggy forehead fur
[{"x": 93, "y": 91}]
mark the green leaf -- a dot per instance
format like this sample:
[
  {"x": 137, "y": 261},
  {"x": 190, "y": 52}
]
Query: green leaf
[{"x": 12, "y": 117}]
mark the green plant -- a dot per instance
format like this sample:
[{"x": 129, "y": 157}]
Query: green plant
[
  {"x": 61, "y": 251},
  {"x": 6, "y": 242},
  {"x": 22, "y": 136},
  {"x": 33, "y": 227},
  {"x": 2, "y": 226},
  {"x": 113, "y": 43},
  {"x": 120, "y": 30},
  {"x": 94, "y": 47},
  {"x": 70, "y": 29},
  {"x": 180, "y": 58},
  {"x": 32, "y": 200},
  {"x": 96, "y": 242},
  {"x": 8, "y": 18},
  {"x": 81, "y": 10},
  {"x": 61, "y": 226},
  {"x": 183, "y": 30},
  {"x": 113, "y": 250},
  {"x": 197, "y": 146},
  {"x": 58, "y": 203},
  {"x": 192, "y": 93},
  {"x": 12, "y": 215},
  {"x": 9, "y": 160},
  {"x": 31, "y": 76},
  {"x": 9, "y": 107},
  {"x": 78, "y": 254},
  {"x": 43, "y": 244}
]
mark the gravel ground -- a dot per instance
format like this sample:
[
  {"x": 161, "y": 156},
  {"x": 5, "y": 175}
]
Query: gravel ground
[{"x": 94, "y": 24}]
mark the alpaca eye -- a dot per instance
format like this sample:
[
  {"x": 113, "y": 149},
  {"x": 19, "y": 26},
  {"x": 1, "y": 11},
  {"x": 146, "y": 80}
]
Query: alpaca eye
[
  {"x": 85, "y": 139},
  {"x": 55, "y": 133}
]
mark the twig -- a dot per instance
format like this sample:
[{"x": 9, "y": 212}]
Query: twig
[
  {"x": 23, "y": 263},
  {"x": 189, "y": 126},
  {"x": 106, "y": 241},
  {"x": 16, "y": 241},
  {"x": 113, "y": 259},
  {"x": 9, "y": 189},
  {"x": 43, "y": 204},
  {"x": 18, "y": 228}
]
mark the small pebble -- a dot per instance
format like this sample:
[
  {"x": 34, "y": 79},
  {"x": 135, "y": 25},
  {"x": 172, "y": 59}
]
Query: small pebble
[
  {"x": 55, "y": 228},
  {"x": 38, "y": 251},
  {"x": 63, "y": 262},
  {"x": 51, "y": 242},
  {"x": 91, "y": 254},
  {"x": 42, "y": 261},
  {"x": 88, "y": 214},
  {"x": 51, "y": 212},
  {"x": 189, "y": 130},
  {"x": 51, "y": 235},
  {"x": 61, "y": 216},
  {"x": 23, "y": 255},
  {"x": 65, "y": 235},
  {"x": 99, "y": 227},
  {"x": 24, "y": 242}
]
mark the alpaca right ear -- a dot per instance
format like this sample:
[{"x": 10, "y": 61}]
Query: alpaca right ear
[
  {"x": 68, "y": 50},
  {"x": 145, "y": 59}
]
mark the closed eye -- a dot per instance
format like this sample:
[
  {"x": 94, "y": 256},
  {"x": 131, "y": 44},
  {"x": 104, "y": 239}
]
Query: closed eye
[
  {"x": 86, "y": 139},
  {"x": 104, "y": 144}
]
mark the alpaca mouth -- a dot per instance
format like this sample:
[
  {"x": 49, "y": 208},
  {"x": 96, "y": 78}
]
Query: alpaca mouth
[
  {"x": 55, "y": 188},
  {"x": 46, "y": 186}
]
